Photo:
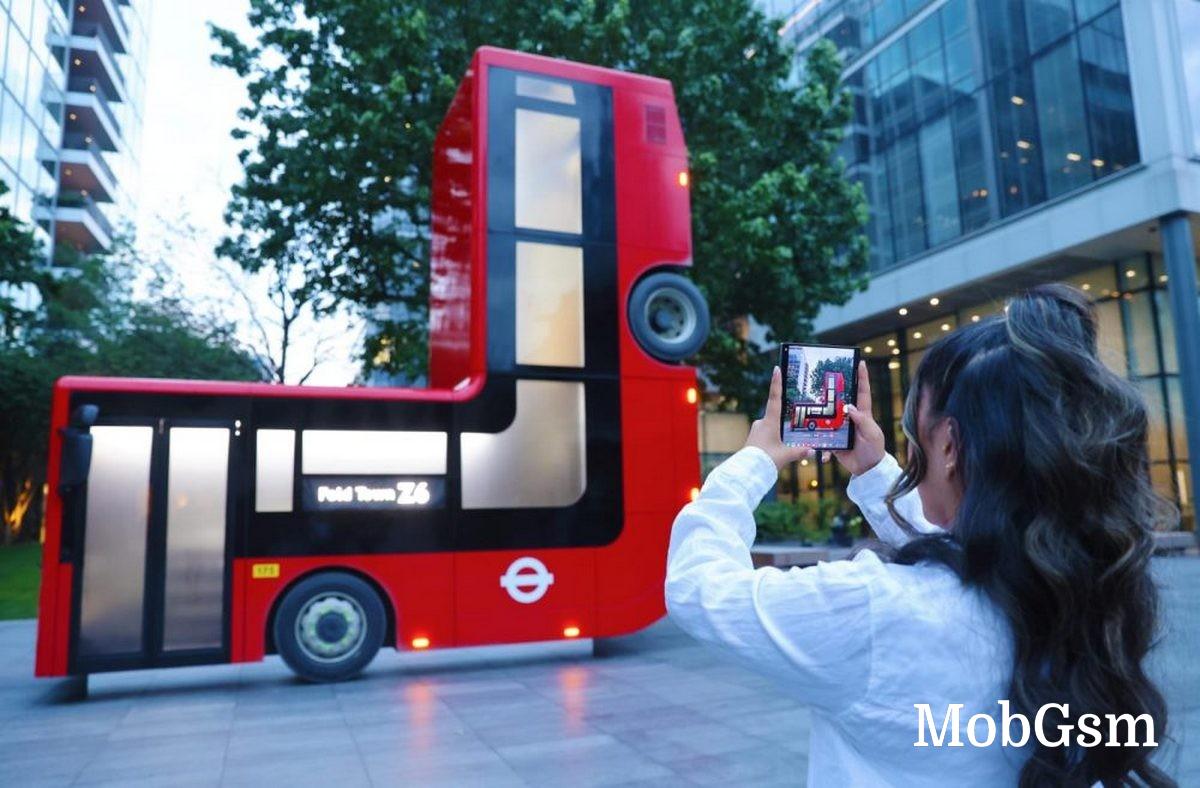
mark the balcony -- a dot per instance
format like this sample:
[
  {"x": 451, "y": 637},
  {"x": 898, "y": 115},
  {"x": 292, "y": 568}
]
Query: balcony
[
  {"x": 85, "y": 170},
  {"x": 78, "y": 221},
  {"x": 106, "y": 15},
  {"x": 93, "y": 55},
  {"x": 88, "y": 94}
]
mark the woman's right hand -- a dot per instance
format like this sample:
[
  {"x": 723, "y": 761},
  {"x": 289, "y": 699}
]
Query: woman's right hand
[{"x": 868, "y": 437}]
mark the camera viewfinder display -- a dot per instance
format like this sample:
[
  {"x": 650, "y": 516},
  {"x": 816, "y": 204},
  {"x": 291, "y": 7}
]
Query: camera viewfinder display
[{"x": 818, "y": 382}]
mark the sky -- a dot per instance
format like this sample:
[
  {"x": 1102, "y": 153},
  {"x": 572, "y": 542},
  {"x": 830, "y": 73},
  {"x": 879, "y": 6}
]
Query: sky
[{"x": 189, "y": 162}]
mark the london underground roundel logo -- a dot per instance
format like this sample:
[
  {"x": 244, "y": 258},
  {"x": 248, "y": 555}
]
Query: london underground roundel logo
[{"x": 526, "y": 580}]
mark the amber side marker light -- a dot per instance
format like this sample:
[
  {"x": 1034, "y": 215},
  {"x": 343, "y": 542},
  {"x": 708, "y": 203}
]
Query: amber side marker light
[
  {"x": 692, "y": 395},
  {"x": 420, "y": 642},
  {"x": 695, "y": 493},
  {"x": 684, "y": 179},
  {"x": 570, "y": 632}
]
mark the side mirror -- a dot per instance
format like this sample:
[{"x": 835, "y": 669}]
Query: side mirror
[
  {"x": 83, "y": 417},
  {"x": 77, "y": 449}
]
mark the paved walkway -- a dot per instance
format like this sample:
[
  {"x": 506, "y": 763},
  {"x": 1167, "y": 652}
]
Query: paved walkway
[{"x": 652, "y": 709}]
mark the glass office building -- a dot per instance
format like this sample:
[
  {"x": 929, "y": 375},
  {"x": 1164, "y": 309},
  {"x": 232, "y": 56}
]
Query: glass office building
[
  {"x": 70, "y": 116},
  {"x": 31, "y": 106},
  {"x": 1003, "y": 143}
]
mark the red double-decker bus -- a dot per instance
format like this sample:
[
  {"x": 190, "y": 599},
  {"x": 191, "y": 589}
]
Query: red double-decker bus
[
  {"x": 828, "y": 411},
  {"x": 526, "y": 495}
]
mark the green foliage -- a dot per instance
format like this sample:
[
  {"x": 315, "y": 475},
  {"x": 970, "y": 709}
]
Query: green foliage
[
  {"x": 346, "y": 97},
  {"x": 20, "y": 568},
  {"x": 842, "y": 364},
  {"x": 806, "y": 519},
  {"x": 89, "y": 322}
]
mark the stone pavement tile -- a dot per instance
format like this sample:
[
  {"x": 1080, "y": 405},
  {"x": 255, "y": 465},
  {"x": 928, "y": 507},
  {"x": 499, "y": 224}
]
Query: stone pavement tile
[
  {"x": 191, "y": 716},
  {"x": 49, "y": 760},
  {"x": 615, "y": 721},
  {"x": 279, "y": 744},
  {"x": 674, "y": 743},
  {"x": 343, "y": 771},
  {"x": 200, "y": 755},
  {"x": 445, "y": 732},
  {"x": 65, "y": 721},
  {"x": 764, "y": 766},
  {"x": 486, "y": 769},
  {"x": 777, "y": 726},
  {"x": 586, "y": 760},
  {"x": 565, "y": 724}
]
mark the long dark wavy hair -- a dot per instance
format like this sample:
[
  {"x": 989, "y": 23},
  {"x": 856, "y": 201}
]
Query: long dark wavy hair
[{"x": 1056, "y": 521}]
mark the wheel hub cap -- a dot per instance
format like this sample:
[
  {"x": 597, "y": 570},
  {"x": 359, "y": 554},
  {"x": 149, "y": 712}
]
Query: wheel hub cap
[{"x": 330, "y": 627}]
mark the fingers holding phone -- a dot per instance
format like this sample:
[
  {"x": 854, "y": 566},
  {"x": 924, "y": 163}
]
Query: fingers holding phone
[
  {"x": 868, "y": 447},
  {"x": 764, "y": 433}
]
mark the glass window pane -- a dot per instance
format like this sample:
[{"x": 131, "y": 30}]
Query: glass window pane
[
  {"x": 962, "y": 65},
  {"x": 925, "y": 38},
  {"x": 904, "y": 180},
  {"x": 1178, "y": 425},
  {"x": 1166, "y": 329},
  {"x": 194, "y": 594},
  {"x": 954, "y": 17},
  {"x": 1047, "y": 21},
  {"x": 1156, "y": 437},
  {"x": 274, "y": 470},
  {"x": 1110, "y": 337},
  {"x": 1098, "y": 283},
  {"x": 114, "y": 551},
  {"x": 976, "y": 190},
  {"x": 1109, "y": 100},
  {"x": 548, "y": 174},
  {"x": 1133, "y": 273},
  {"x": 939, "y": 181},
  {"x": 549, "y": 305},
  {"x": 1004, "y": 34},
  {"x": 372, "y": 451},
  {"x": 1061, "y": 119},
  {"x": 1086, "y": 9},
  {"x": 544, "y": 89},
  {"x": 1140, "y": 338},
  {"x": 1017, "y": 144}
]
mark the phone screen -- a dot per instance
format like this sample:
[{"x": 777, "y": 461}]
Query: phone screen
[{"x": 818, "y": 382}]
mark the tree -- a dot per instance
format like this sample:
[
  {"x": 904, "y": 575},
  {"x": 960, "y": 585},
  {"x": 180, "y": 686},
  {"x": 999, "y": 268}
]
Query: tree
[
  {"x": 842, "y": 364},
  {"x": 346, "y": 97},
  {"x": 89, "y": 322}
]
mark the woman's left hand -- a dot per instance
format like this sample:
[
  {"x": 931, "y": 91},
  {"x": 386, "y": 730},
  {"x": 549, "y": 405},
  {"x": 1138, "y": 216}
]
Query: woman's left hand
[{"x": 764, "y": 433}]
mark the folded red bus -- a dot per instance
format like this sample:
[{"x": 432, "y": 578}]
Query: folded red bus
[
  {"x": 828, "y": 411},
  {"x": 526, "y": 495}
]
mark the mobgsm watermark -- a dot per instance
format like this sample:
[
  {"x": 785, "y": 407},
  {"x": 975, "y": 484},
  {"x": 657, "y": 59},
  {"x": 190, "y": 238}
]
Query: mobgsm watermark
[{"x": 1114, "y": 730}]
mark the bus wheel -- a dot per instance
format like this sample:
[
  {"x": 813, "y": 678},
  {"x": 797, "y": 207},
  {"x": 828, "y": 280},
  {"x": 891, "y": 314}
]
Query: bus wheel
[
  {"x": 329, "y": 626},
  {"x": 668, "y": 316}
]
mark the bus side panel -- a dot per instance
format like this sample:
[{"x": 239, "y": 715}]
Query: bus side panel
[
  {"x": 54, "y": 597},
  {"x": 661, "y": 468},
  {"x": 488, "y": 613},
  {"x": 418, "y": 587}
]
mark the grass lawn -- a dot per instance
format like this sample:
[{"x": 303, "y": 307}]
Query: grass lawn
[{"x": 20, "y": 566}]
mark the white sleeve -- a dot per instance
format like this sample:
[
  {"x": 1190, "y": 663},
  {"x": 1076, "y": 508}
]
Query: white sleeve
[
  {"x": 809, "y": 628},
  {"x": 868, "y": 489}
]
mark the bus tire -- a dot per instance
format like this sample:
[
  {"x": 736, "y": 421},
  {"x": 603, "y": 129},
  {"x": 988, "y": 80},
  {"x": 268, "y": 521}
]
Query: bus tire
[
  {"x": 668, "y": 316},
  {"x": 329, "y": 626}
]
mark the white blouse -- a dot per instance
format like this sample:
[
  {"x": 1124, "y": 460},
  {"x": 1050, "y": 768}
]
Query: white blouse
[{"x": 860, "y": 641}]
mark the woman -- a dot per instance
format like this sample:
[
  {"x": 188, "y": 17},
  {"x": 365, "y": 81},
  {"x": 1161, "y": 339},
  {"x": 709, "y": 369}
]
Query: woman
[{"x": 1020, "y": 570}]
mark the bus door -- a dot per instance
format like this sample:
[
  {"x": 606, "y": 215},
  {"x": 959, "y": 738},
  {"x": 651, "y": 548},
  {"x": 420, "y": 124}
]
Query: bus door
[{"x": 152, "y": 545}]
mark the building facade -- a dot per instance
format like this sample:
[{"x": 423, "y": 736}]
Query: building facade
[
  {"x": 1003, "y": 143},
  {"x": 70, "y": 117}
]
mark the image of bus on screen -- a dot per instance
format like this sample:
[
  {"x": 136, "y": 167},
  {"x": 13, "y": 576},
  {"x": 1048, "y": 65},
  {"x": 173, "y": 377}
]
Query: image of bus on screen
[{"x": 525, "y": 495}]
